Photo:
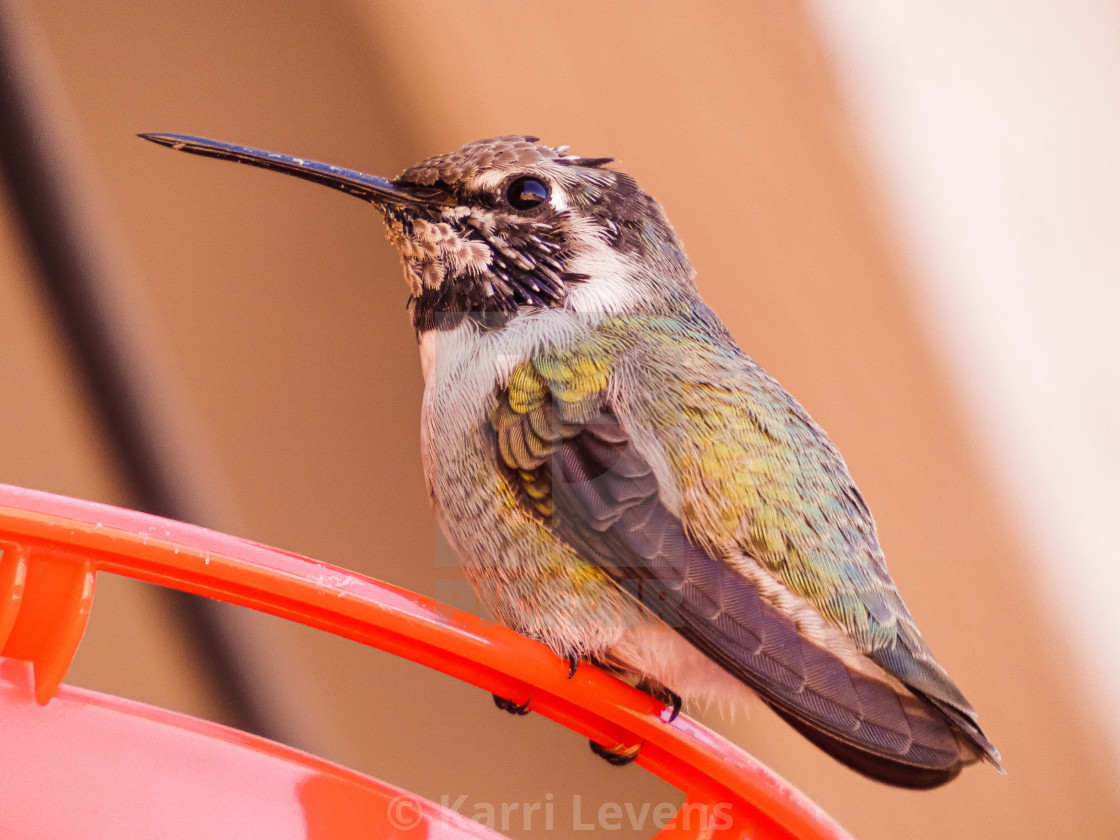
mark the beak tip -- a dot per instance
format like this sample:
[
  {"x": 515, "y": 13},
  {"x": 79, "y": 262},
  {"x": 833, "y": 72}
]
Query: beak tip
[{"x": 160, "y": 139}]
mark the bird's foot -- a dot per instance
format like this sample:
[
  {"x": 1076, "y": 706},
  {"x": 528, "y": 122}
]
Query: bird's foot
[
  {"x": 665, "y": 695},
  {"x": 507, "y": 705},
  {"x": 618, "y": 756}
]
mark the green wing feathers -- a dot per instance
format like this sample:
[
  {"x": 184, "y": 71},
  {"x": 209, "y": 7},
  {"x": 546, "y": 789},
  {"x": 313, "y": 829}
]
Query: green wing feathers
[
  {"x": 745, "y": 472},
  {"x": 751, "y": 467}
]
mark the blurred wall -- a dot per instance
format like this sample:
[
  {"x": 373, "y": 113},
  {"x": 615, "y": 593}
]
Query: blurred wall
[
  {"x": 995, "y": 145},
  {"x": 276, "y": 312}
]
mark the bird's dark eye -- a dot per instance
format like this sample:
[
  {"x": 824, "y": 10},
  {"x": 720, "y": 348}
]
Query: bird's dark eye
[{"x": 525, "y": 193}]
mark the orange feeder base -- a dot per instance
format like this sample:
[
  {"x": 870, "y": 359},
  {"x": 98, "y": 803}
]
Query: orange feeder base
[{"x": 79, "y": 764}]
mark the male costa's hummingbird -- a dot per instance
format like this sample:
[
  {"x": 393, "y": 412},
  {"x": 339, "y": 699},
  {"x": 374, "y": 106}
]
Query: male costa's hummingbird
[{"x": 620, "y": 480}]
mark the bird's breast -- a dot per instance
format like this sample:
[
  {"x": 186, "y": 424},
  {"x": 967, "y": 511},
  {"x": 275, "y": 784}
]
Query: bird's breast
[{"x": 525, "y": 574}]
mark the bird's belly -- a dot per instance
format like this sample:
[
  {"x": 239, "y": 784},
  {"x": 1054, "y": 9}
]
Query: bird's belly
[{"x": 525, "y": 575}]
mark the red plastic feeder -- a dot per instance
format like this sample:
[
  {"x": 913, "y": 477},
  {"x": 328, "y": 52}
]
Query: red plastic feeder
[{"x": 80, "y": 764}]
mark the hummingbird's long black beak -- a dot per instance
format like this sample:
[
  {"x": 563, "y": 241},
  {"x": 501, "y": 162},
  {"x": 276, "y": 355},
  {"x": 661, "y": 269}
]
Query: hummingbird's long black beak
[{"x": 380, "y": 191}]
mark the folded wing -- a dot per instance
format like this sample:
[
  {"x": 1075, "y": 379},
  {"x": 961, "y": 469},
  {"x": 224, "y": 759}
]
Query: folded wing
[{"x": 577, "y": 466}]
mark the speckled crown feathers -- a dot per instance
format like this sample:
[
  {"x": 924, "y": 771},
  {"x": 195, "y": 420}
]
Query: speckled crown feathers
[{"x": 508, "y": 152}]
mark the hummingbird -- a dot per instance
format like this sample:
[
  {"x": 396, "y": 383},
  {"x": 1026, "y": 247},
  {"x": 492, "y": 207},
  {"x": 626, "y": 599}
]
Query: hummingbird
[{"x": 620, "y": 480}]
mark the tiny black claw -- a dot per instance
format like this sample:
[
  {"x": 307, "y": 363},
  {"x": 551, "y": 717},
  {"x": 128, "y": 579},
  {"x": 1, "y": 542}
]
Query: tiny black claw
[
  {"x": 675, "y": 701},
  {"x": 507, "y": 705},
  {"x": 619, "y": 756},
  {"x": 573, "y": 663},
  {"x": 665, "y": 695}
]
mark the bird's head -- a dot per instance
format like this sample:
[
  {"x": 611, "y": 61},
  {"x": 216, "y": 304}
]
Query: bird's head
[{"x": 504, "y": 226}]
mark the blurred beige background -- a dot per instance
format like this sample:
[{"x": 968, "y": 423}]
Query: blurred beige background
[{"x": 273, "y": 314}]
